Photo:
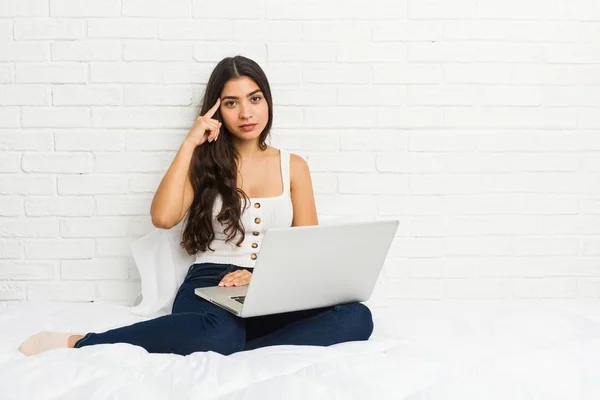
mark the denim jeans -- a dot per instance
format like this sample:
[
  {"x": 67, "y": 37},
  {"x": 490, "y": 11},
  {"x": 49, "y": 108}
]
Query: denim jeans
[{"x": 198, "y": 325}]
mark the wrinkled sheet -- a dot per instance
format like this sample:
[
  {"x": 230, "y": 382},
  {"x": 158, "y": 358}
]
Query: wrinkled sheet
[{"x": 468, "y": 349}]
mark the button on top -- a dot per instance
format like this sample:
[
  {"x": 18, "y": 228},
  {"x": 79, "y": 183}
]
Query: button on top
[
  {"x": 257, "y": 220},
  {"x": 256, "y": 205},
  {"x": 255, "y": 233},
  {"x": 254, "y": 245},
  {"x": 253, "y": 256}
]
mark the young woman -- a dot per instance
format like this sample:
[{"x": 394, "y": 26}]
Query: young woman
[{"x": 232, "y": 187}]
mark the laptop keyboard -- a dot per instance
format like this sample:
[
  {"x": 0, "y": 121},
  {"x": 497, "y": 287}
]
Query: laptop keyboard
[{"x": 239, "y": 299}]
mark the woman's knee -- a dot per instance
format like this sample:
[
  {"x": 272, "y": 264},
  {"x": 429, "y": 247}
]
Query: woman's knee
[
  {"x": 228, "y": 335},
  {"x": 225, "y": 344},
  {"x": 358, "y": 318},
  {"x": 213, "y": 333}
]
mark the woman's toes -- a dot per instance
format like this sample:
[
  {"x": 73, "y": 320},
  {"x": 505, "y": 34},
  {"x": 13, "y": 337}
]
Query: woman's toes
[
  {"x": 31, "y": 345},
  {"x": 44, "y": 341}
]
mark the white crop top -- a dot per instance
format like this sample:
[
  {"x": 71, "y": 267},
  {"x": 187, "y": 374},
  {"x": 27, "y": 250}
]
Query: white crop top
[{"x": 261, "y": 214}]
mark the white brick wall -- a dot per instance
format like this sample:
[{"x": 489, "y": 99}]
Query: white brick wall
[{"x": 476, "y": 123}]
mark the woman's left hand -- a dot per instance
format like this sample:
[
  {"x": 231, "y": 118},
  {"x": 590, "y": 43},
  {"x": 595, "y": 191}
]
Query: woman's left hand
[{"x": 236, "y": 278}]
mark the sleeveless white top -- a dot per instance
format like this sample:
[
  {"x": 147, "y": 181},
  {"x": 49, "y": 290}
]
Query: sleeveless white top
[{"x": 261, "y": 214}]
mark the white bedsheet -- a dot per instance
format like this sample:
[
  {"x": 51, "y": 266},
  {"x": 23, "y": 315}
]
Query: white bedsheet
[{"x": 509, "y": 350}]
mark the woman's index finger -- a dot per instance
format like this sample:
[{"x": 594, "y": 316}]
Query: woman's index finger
[{"x": 213, "y": 109}]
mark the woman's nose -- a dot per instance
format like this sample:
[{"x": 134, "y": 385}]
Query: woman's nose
[{"x": 244, "y": 111}]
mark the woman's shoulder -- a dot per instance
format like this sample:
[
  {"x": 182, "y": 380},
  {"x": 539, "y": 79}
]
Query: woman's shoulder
[
  {"x": 299, "y": 169},
  {"x": 295, "y": 159},
  {"x": 297, "y": 163}
]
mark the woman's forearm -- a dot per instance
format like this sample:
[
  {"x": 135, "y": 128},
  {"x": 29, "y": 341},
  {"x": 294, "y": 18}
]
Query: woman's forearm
[{"x": 167, "y": 203}]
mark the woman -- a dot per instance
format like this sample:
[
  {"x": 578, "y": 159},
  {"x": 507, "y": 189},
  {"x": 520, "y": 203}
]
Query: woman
[{"x": 232, "y": 187}]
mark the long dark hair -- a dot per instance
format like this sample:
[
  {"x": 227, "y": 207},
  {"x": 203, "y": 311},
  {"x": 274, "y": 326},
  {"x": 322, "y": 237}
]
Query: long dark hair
[{"x": 213, "y": 167}]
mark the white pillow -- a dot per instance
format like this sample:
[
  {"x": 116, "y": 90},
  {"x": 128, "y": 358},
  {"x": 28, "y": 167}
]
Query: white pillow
[{"x": 162, "y": 265}]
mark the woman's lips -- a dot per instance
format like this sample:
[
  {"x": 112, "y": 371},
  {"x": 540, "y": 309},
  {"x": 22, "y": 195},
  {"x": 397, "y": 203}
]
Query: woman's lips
[{"x": 247, "y": 128}]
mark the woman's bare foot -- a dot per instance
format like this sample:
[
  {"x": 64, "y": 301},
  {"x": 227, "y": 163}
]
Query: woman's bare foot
[
  {"x": 44, "y": 341},
  {"x": 73, "y": 339}
]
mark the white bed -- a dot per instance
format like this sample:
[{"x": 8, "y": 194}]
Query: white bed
[{"x": 495, "y": 349}]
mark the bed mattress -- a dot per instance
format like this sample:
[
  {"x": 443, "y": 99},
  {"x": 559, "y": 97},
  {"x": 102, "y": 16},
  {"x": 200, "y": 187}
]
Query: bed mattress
[{"x": 467, "y": 349}]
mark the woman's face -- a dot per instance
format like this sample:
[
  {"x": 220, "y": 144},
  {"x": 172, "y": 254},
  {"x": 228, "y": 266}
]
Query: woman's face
[{"x": 243, "y": 103}]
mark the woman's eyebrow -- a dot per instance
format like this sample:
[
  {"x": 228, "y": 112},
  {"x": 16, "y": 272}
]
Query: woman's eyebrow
[{"x": 235, "y": 98}]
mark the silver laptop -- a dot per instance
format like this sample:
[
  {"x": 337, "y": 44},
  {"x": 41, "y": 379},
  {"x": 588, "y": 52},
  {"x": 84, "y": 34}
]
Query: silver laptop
[{"x": 305, "y": 267}]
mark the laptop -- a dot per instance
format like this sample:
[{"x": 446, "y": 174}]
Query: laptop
[{"x": 305, "y": 267}]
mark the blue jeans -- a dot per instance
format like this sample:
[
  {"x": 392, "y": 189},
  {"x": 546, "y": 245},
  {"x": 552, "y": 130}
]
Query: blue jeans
[{"x": 198, "y": 325}]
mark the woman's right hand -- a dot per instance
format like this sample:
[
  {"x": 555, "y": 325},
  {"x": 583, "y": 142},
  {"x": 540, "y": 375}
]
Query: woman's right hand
[{"x": 205, "y": 128}]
